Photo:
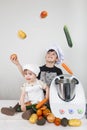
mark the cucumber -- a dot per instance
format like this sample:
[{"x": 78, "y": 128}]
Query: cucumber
[
  {"x": 68, "y": 37},
  {"x": 33, "y": 107},
  {"x": 27, "y": 107}
]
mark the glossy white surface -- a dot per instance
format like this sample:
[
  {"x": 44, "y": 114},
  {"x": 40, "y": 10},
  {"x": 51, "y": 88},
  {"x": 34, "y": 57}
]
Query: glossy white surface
[
  {"x": 17, "y": 123},
  {"x": 71, "y": 109}
]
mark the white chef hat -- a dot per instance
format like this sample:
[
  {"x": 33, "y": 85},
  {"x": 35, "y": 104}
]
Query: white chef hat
[
  {"x": 32, "y": 67},
  {"x": 58, "y": 51}
]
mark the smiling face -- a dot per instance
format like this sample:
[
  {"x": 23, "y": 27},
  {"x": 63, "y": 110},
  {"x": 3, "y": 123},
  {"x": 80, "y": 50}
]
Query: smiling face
[
  {"x": 51, "y": 56},
  {"x": 29, "y": 76}
]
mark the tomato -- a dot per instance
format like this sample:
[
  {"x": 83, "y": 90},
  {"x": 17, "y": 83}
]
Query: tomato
[
  {"x": 57, "y": 121},
  {"x": 43, "y": 14}
]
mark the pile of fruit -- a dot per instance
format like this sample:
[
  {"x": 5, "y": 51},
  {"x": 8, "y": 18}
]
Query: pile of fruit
[{"x": 43, "y": 114}]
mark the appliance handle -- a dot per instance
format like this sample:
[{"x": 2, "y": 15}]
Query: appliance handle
[
  {"x": 57, "y": 80},
  {"x": 70, "y": 77},
  {"x": 74, "y": 79}
]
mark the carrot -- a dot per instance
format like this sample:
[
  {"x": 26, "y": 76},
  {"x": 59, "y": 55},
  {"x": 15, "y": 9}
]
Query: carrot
[
  {"x": 40, "y": 104},
  {"x": 67, "y": 68}
]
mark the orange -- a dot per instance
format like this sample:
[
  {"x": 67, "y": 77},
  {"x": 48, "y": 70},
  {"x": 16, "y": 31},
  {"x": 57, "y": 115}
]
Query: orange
[
  {"x": 50, "y": 118},
  {"x": 43, "y": 14},
  {"x": 46, "y": 112},
  {"x": 39, "y": 112},
  {"x": 57, "y": 121},
  {"x": 43, "y": 107},
  {"x": 13, "y": 57}
]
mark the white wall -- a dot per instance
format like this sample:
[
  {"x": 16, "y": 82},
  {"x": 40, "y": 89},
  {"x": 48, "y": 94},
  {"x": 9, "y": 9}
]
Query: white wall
[{"x": 25, "y": 15}]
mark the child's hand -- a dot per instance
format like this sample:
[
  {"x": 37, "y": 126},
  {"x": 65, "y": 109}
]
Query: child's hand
[
  {"x": 14, "y": 59},
  {"x": 23, "y": 107}
]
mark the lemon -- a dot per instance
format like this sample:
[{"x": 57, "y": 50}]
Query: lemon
[{"x": 22, "y": 34}]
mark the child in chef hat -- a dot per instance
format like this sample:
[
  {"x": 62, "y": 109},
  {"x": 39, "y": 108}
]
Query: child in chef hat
[
  {"x": 54, "y": 55},
  {"x": 59, "y": 53},
  {"x": 49, "y": 70},
  {"x": 33, "y": 87},
  {"x": 32, "y": 90}
]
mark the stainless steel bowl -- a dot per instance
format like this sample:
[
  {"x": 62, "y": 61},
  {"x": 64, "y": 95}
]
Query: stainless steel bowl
[{"x": 66, "y": 85}]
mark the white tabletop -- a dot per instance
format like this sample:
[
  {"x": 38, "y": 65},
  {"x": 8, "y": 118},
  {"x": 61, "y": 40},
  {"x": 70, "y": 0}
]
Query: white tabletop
[{"x": 17, "y": 123}]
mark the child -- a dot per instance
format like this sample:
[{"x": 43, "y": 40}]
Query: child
[
  {"x": 32, "y": 90},
  {"x": 48, "y": 71}
]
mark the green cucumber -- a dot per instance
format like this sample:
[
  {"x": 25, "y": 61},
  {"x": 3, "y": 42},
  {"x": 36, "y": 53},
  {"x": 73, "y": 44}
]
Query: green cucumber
[
  {"x": 68, "y": 37},
  {"x": 32, "y": 106}
]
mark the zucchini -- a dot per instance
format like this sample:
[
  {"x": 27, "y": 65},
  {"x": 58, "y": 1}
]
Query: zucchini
[{"x": 68, "y": 37}]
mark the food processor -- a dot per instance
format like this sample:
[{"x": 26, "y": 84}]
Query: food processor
[{"x": 67, "y": 97}]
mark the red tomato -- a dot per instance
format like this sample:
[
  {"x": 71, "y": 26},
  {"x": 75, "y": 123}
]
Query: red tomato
[{"x": 44, "y": 14}]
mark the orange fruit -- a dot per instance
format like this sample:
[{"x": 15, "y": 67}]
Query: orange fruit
[
  {"x": 57, "y": 121},
  {"x": 43, "y": 14},
  {"x": 43, "y": 107},
  {"x": 39, "y": 112},
  {"x": 46, "y": 112},
  {"x": 50, "y": 118},
  {"x": 13, "y": 57}
]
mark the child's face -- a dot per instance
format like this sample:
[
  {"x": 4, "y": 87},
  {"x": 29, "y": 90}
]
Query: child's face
[
  {"x": 29, "y": 76},
  {"x": 51, "y": 57}
]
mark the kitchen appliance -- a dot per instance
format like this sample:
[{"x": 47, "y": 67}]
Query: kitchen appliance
[{"x": 67, "y": 97}]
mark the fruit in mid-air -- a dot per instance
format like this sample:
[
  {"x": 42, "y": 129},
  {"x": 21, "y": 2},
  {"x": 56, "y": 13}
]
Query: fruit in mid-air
[
  {"x": 22, "y": 34},
  {"x": 43, "y": 14}
]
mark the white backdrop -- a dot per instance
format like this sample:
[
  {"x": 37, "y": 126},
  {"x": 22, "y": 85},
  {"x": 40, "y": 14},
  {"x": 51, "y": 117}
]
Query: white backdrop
[{"x": 24, "y": 15}]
